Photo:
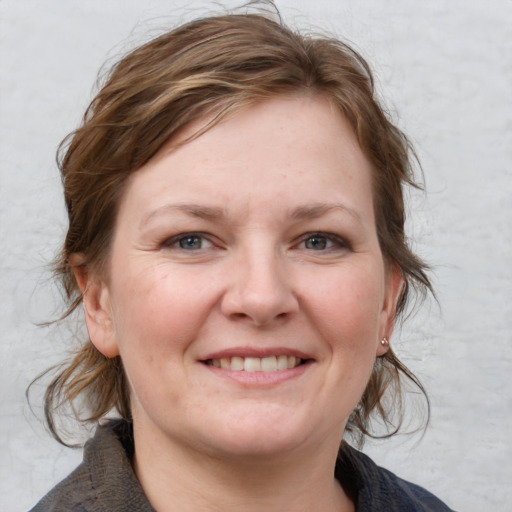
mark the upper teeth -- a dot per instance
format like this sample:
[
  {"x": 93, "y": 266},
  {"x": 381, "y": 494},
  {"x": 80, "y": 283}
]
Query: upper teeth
[{"x": 256, "y": 364}]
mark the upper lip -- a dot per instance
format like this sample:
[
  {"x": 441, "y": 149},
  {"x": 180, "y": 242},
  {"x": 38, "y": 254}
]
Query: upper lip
[{"x": 256, "y": 352}]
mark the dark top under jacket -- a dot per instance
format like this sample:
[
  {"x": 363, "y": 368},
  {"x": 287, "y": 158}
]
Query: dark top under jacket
[{"x": 105, "y": 481}]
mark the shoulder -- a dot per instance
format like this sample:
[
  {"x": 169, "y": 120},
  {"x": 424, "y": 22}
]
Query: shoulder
[
  {"x": 72, "y": 494},
  {"x": 380, "y": 489},
  {"x": 105, "y": 479}
]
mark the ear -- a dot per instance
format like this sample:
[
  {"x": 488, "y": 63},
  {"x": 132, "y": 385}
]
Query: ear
[
  {"x": 394, "y": 283},
  {"x": 97, "y": 309}
]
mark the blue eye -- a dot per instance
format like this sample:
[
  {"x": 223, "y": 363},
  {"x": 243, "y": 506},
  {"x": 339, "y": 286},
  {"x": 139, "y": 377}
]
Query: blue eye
[
  {"x": 316, "y": 243},
  {"x": 190, "y": 242},
  {"x": 323, "y": 242}
]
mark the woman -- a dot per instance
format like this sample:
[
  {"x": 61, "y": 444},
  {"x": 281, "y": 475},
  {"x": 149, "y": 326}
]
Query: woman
[{"x": 236, "y": 237}]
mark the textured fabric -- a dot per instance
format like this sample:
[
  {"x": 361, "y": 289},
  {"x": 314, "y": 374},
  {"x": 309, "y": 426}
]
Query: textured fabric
[
  {"x": 377, "y": 489},
  {"x": 105, "y": 481}
]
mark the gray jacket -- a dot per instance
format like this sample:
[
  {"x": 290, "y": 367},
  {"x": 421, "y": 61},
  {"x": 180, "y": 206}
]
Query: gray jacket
[{"x": 105, "y": 481}]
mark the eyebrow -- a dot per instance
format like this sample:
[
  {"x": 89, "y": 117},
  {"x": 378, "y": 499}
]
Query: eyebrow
[
  {"x": 316, "y": 210},
  {"x": 306, "y": 212},
  {"x": 193, "y": 210}
]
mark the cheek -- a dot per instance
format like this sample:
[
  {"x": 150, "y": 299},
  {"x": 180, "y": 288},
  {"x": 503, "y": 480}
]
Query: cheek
[
  {"x": 347, "y": 313},
  {"x": 154, "y": 307},
  {"x": 348, "y": 305},
  {"x": 156, "y": 317}
]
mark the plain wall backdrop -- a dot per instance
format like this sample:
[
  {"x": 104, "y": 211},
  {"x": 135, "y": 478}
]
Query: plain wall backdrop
[{"x": 445, "y": 71}]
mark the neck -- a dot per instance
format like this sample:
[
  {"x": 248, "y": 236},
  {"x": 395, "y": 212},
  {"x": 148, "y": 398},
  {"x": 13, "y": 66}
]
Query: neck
[{"x": 182, "y": 479}]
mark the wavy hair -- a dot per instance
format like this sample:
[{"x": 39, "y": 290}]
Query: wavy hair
[{"x": 209, "y": 68}]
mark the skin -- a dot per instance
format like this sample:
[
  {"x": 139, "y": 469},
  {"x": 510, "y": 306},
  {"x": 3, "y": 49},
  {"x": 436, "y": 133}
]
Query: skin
[{"x": 256, "y": 238}]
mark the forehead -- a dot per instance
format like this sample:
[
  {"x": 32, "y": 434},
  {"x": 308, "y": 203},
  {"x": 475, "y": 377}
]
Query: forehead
[{"x": 292, "y": 149}]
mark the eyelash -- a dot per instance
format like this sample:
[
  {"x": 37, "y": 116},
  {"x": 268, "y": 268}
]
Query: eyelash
[
  {"x": 336, "y": 241},
  {"x": 175, "y": 240}
]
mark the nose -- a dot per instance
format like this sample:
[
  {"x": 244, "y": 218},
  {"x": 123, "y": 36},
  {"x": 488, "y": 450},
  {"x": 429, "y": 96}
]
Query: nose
[{"x": 260, "y": 289}]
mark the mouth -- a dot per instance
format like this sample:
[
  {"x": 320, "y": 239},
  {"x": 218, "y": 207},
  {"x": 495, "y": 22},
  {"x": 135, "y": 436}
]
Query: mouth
[{"x": 272, "y": 363}]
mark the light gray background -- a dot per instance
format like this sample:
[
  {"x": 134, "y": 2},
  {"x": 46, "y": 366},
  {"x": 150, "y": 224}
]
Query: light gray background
[{"x": 445, "y": 68}]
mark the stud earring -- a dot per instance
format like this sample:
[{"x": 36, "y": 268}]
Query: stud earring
[{"x": 384, "y": 342}]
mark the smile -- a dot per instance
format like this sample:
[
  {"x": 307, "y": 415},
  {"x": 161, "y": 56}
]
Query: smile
[{"x": 256, "y": 364}]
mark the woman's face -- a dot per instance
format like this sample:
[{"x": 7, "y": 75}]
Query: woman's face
[{"x": 247, "y": 293}]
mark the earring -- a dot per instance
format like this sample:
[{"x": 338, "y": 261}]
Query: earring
[{"x": 384, "y": 342}]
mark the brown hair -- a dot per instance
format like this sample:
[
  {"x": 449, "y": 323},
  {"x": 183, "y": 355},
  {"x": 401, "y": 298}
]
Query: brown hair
[{"x": 212, "y": 67}]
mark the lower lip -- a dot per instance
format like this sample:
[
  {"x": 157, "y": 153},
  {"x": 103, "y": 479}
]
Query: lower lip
[{"x": 259, "y": 379}]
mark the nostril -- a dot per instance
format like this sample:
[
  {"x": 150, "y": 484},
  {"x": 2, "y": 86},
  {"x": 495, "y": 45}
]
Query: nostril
[{"x": 239, "y": 315}]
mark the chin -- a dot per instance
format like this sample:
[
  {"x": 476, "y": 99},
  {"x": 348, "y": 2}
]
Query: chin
[
  {"x": 255, "y": 447},
  {"x": 260, "y": 436}
]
